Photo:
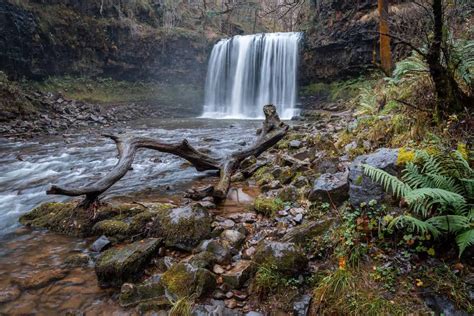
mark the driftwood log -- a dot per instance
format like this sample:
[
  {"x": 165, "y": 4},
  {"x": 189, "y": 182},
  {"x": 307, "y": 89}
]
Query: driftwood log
[{"x": 272, "y": 131}]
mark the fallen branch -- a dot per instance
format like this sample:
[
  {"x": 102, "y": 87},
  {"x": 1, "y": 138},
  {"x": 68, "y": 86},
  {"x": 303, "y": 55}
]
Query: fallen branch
[{"x": 272, "y": 131}]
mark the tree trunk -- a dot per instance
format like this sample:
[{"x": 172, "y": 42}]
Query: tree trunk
[
  {"x": 385, "y": 49},
  {"x": 449, "y": 94}
]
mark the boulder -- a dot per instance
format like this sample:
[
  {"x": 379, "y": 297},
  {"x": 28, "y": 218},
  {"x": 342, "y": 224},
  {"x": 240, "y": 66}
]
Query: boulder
[
  {"x": 239, "y": 274},
  {"x": 330, "y": 188},
  {"x": 183, "y": 228},
  {"x": 132, "y": 294},
  {"x": 361, "y": 188},
  {"x": 221, "y": 253},
  {"x": 286, "y": 257},
  {"x": 301, "y": 305},
  {"x": 183, "y": 280},
  {"x": 232, "y": 238},
  {"x": 306, "y": 231},
  {"x": 122, "y": 264}
]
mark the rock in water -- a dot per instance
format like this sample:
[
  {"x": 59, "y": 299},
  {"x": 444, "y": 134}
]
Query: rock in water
[
  {"x": 286, "y": 257},
  {"x": 361, "y": 188},
  {"x": 131, "y": 294},
  {"x": 330, "y": 188},
  {"x": 118, "y": 265},
  {"x": 100, "y": 244},
  {"x": 183, "y": 228}
]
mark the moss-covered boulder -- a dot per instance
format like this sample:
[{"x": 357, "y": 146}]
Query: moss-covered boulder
[
  {"x": 286, "y": 257},
  {"x": 123, "y": 264},
  {"x": 132, "y": 294},
  {"x": 267, "y": 206},
  {"x": 183, "y": 280},
  {"x": 111, "y": 227},
  {"x": 288, "y": 193},
  {"x": 183, "y": 228},
  {"x": 67, "y": 218},
  {"x": 77, "y": 260}
]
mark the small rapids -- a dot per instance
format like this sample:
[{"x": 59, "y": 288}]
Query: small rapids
[{"x": 27, "y": 168}]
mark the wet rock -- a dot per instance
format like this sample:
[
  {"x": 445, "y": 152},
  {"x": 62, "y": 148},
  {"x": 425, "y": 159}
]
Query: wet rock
[
  {"x": 183, "y": 228},
  {"x": 442, "y": 305},
  {"x": 286, "y": 257},
  {"x": 203, "y": 260},
  {"x": 307, "y": 231},
  {"x": 239, "y": 274},
  {"x": 232, "y": 238},
  {"x": 164, "y": 263},
  {"x": 131, "y": 294},
  {"x": 288, "y": 194},
  {"x": 77, "y": 260},
  {"x": 361, "y": 188},
  {"x": 295, "y": 144},
  {"x": 9, "y": 294},
  {"x": 40, "y": 279},
  {"x": 121, "y": 264},
  {"x": 221, "y": 253},
  {"x": 102, "y": 243},
  {"x": 301, "y": 306},
  {"x": 334, "y": 185},
  {"x": 185, "y": 280}
]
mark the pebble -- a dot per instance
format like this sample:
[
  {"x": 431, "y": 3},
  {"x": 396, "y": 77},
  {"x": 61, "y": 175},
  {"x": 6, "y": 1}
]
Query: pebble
[{"x": 217, "y": 269}]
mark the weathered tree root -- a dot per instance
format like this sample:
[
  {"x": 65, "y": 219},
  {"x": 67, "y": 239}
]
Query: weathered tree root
[{"x": 272, "y": 131}]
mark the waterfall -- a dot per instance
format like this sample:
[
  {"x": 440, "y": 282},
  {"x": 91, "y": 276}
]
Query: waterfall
[{"x": 246, "y": 72}]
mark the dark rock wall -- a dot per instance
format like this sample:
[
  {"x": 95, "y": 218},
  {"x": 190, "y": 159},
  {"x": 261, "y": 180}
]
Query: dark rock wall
[
  {"x": 43, "y": 38},
  {"x": 343, "y": 41}
]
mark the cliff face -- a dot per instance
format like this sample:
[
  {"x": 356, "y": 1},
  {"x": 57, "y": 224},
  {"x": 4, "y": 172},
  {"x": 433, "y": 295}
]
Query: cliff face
[
  {"x": 47, "y": 37},
  {"x": 343, "y": 41}
]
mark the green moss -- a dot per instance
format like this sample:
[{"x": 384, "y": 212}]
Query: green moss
[
  {"x": 111, "y": 227},
  {"x": 267, "y": 206},
  {"x": 131, "y": 295},
  {"x": 184, "y": 280},
  {"x": 405, "y": 156}
]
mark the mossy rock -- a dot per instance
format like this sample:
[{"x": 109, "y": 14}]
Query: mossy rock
[
  {"x": 112, "y": 227},
  {"x": 184, "y": 280},
  {"x": 286, "y": 257},
  {"x": 67, "y": 218},
  {"x": 131, "y": 294},
  {"x": 59, "y": 217},
  {"x": 286, "y": 175},
  {"x": 183, "y": 228},
  {"x": 122, "y": 264},
  {"x": 267, "y": 206}
]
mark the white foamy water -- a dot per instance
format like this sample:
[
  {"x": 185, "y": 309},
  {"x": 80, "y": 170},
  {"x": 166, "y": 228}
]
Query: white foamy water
[
  {"x": 27, "y": 168},
  {"x": 247, "y": 72}
]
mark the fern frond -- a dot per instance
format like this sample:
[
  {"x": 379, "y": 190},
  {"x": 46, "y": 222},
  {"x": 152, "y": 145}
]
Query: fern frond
[
  {"x": 389, "y": 182},
  {"x": 424, "y": 198},
  {"x": 415, "y": 224},
  {"x": 465, "y": 240},
  {"x": 431, "y": 164},
  {"x": 450, "y": 223}
]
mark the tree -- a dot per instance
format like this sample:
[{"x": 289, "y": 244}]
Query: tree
[{"x": 385, "y": 50}]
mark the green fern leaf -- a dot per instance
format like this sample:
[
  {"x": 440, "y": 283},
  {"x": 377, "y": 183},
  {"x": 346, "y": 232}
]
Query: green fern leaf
[
  {"x": 415, "y": 224},
  {"x": 465, "y": 240},
  {"x": 389, "y": 182}
]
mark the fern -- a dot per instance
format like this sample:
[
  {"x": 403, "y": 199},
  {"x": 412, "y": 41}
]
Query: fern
[
  {"x": 465, "y": 240},
  {"x": 439, "y": 189},
  {"x": 389, "y": 182}
]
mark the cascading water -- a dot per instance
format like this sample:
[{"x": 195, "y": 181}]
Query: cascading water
[{"x": 247, "y": 72}]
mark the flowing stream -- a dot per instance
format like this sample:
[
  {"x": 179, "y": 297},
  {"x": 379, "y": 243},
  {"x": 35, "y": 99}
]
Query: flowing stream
[
  {"x": 247, "y": 72},
  {"x": 27, "y": 168}
]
